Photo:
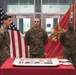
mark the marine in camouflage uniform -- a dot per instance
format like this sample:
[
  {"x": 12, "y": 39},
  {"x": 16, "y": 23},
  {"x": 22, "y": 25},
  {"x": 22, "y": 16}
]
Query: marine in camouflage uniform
[
  {"x": 4, "y": 45},
  {"x": 5, "y": 39},
  {"x": 36, "y": 39},
  {"x": 68, "y": 40}
]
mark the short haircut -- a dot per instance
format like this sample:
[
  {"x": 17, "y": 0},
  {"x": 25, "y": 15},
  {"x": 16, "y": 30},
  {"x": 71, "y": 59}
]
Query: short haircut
[{"x": 6, "y": 17}]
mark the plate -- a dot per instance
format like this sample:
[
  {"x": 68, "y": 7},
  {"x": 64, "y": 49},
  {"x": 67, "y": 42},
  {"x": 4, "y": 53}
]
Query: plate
[
  {"x": 63, "y": 60},
  {"x": 67, "y": 64}
]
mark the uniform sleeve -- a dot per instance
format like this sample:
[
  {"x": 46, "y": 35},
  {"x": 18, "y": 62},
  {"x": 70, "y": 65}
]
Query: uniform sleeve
[
  {"x": 4, "y": 37},
  {"x": 27, "y": 38},
  {"x": 62, "y": 38},
  {"x": 7, "y": 38},
  {"x": 6, "y": 43},
  {"x": 1, "y": 38},
  {"x": 45, "y": 38}
]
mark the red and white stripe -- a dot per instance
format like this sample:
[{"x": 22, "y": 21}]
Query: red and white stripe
[{"x": 18, "y": 47}]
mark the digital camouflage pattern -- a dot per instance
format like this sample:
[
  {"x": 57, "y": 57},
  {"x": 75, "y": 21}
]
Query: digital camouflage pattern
[
  {"x": 36, "y": 39},
  {"x": 4, "y": 45},
  {"x": 68, "y": 40}
]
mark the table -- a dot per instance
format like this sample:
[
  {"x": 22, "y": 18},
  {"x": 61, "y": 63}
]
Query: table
[
  {"x": 0, "y": 71},
  {"x": 8, "y": 69}
]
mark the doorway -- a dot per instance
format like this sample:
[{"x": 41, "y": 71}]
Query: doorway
[
  {"x": 49, "y": 22},
  {"x": 23, "y": 22}
]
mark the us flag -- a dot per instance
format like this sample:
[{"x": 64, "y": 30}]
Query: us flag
[
  {"x": 2, "y": 13},
  {"x": 18, "y": 47}
]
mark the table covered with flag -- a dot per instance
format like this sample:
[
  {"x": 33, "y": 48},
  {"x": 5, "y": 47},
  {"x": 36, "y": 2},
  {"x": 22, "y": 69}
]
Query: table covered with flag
[{"x": 8, "y": 69}]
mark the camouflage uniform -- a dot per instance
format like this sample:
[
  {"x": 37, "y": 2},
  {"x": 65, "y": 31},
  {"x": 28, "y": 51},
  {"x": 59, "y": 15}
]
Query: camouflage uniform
[
  {"x": 4, "y": 45},
  {"x": 36, "y": 39},
  {"x": 68, "y": 40}
]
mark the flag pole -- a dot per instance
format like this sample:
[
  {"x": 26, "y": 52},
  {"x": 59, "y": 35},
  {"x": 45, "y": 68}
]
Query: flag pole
[{"x": 73, "y": 15}]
